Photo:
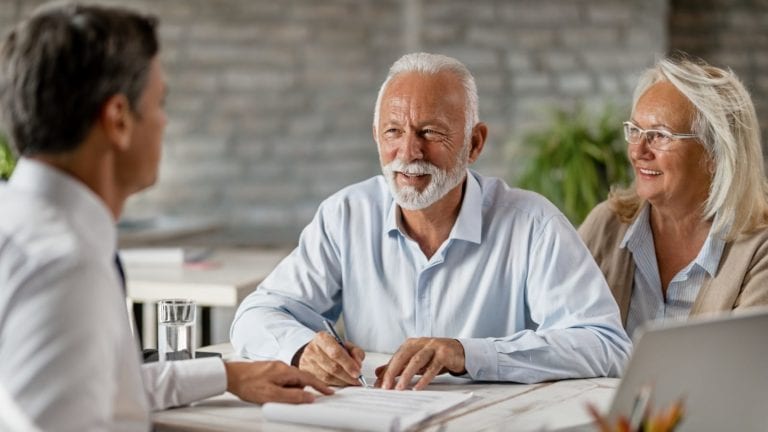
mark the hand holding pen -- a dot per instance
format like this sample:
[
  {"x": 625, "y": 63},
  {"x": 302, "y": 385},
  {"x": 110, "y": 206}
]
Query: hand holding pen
[
  {"x": 333, "y": 362},
  {"x": 332, "y": 331}
]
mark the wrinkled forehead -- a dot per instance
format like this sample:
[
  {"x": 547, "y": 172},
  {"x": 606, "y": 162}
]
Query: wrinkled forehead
[
  {"x": 662, "y": 104},
  {"x": 440, "y": 94}
]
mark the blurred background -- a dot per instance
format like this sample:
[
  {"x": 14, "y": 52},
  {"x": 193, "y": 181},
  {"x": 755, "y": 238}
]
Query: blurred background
[{"x": 271, "y": 102}]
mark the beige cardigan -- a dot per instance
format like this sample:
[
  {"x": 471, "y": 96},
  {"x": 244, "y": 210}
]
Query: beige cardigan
[{"x": 741, "y": 280}]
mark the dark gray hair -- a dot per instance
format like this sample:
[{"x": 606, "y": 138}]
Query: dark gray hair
[{"x": 59, "y": 66}]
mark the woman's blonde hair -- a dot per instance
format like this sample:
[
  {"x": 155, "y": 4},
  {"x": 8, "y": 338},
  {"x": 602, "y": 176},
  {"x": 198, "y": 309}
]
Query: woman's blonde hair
[{"x": 726, "y": 125}]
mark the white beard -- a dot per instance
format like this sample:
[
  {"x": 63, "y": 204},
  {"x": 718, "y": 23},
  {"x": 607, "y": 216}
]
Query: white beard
[{"x": 440, "y": 183}]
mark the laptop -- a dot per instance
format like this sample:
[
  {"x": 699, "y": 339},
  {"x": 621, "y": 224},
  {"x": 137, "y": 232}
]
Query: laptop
[{"x": 718, "y": 366}]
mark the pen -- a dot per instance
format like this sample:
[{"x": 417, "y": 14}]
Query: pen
[
  {"x": 639, "y": 407},
  {"x": 332, "y": 331}
]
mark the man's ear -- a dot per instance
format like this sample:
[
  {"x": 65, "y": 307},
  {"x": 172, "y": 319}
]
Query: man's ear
[
  {"x": 479, "y": 134},
  {"x": 116, "y": 118}
]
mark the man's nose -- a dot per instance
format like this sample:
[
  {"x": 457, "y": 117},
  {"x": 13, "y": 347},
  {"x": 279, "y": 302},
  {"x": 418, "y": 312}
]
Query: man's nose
[{"x": 410, "y": 148}]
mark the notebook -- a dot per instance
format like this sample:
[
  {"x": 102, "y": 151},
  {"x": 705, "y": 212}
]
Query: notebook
[{"x": 718, "y": 366}]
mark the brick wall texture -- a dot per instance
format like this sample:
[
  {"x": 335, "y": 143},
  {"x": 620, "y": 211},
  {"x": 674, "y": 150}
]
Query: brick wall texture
[
  {"x": 727, "y": 33},
  {"x": 271, "y": 102}
]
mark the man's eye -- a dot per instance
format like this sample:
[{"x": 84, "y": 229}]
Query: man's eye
[{"x": 655, "y": 136}]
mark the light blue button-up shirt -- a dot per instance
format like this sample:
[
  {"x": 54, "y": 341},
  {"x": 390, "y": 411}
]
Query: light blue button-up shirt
[
  {"x": 513, "y": 283},
  {"x": 647, "y": 302}
]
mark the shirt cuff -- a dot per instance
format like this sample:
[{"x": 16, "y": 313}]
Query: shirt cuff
[
  {"x": 200, "y": 378},
  {"x": 480, "y": 359},
  {"x": 291, "y": 345}
]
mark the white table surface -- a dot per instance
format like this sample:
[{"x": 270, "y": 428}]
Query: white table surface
[
  {"x": 223, "y": 279},
  {"x": 142, "y": 232},
  {"x": 494, "y": 406}
]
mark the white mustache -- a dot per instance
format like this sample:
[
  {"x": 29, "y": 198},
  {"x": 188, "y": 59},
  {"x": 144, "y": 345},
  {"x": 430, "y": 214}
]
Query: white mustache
[{"x": 412, "y": 168}]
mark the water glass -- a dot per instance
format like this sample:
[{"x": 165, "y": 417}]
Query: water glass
[{"x": 175, "y": 329}]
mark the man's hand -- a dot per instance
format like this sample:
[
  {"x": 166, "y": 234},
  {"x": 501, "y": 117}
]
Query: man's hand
[
  {"x": 324, "y": 358},
  {"x": 427, "y": 357},
  {"x": 271, "y": 381}
]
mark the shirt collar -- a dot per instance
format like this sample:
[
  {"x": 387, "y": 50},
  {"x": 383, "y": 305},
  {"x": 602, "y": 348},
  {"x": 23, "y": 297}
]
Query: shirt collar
[
  {"x": 468, "y": 225},
  {"x": 711, "y": 252},
  {"x": 640, "y": 231},
  {"x": 90, "y": 215}
]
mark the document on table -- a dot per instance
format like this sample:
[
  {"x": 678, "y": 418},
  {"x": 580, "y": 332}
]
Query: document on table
[{"x": 368, "y": 409}]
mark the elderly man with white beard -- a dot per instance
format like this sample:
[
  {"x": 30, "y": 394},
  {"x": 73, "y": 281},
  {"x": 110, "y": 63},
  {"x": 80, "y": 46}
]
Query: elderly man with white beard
[{"x": 451, "y": 271}]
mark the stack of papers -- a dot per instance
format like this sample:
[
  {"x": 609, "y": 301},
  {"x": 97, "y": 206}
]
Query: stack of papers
[{"x": 368, "y": 409}]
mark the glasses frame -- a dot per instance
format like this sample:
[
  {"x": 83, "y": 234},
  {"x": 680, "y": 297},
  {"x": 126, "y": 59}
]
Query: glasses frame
[{"x": 644, "y": 136}]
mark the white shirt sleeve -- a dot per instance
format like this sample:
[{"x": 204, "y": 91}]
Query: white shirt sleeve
[
  {"x": 65, "y": 330},
  {"x": 181, "y": 382}
]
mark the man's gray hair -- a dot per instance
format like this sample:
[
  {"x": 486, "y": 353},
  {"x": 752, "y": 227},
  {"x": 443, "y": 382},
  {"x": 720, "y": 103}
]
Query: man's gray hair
[
  {"x": 726, "y": 124},
  {"x": 432, "y": 64}
]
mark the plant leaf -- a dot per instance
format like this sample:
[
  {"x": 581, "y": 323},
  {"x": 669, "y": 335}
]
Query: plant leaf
[{"x": 574, "y": 161}]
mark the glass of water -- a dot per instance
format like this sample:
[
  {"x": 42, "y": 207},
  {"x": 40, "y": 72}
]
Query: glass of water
[{"x": 175, "y": 329}]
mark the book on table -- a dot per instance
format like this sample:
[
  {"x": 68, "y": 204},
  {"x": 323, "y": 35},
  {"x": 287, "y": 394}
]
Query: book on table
[{"x": 368, "y": 409}]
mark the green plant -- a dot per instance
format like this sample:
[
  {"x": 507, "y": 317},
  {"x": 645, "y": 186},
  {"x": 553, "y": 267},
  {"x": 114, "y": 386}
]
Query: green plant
[
  {"x": 575, "y": 160},
  {"x": 7, "y": 159}
]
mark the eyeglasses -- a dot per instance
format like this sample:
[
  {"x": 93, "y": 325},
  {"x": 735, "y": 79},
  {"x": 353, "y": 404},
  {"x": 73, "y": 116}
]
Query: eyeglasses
[{"x": 657, "y": 139}]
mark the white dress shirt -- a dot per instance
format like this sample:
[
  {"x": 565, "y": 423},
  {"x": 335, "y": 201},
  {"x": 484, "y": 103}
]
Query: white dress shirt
[
  {"x": 513, "y": 283},
  {"x": 67, "y": 355},
  {"x": 13, "y": 418}
]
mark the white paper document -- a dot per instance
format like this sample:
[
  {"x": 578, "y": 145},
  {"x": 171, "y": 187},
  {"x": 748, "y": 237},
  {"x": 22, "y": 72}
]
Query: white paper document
[{"x": 368, "y": 409}]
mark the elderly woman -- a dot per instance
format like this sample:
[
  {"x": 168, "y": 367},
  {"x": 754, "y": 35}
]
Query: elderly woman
[{"x": 690, "y": 235}]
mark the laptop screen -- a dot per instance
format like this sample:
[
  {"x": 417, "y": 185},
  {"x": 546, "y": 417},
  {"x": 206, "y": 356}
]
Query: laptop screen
[{"x": 717, "y": 367}]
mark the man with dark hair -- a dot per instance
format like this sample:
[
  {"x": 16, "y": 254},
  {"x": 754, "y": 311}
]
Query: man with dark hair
[{"x": 82, "y": 92}]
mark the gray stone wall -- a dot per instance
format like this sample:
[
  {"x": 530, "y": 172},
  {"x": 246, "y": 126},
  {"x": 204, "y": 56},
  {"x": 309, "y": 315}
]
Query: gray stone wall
[
  {"x": 727, "y": 33},
  {"x": 271, "y": 101}
]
